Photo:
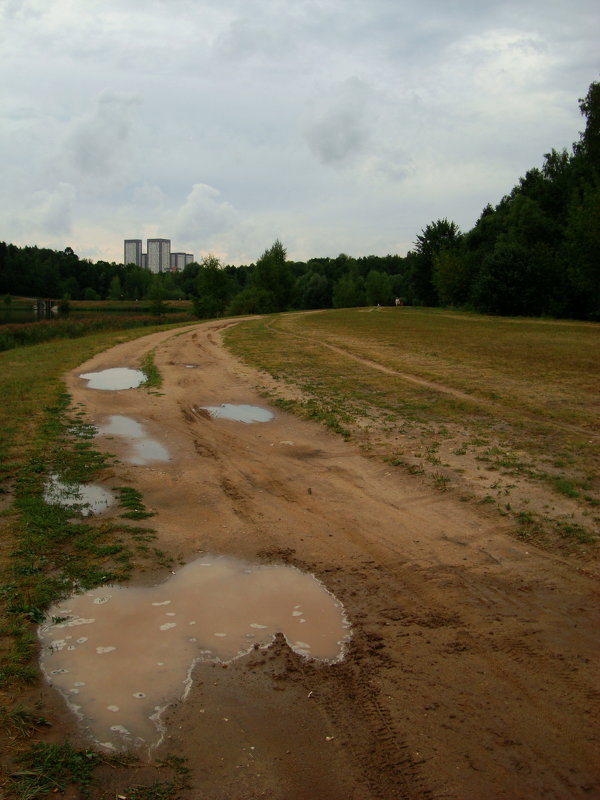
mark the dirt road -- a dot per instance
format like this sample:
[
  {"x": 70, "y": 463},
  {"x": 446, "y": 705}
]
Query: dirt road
[{"x": 473, "y": 666}]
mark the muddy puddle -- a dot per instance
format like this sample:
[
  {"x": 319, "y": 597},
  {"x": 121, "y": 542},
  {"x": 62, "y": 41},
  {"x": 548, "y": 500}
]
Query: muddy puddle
[
  {"x": 239, "y": 413},
  {"x": 119, "y": 655},
  {"x": 86, "y": 498},
  {"x": 114, "y": 379},
  {"x": 141, "y": 448}
]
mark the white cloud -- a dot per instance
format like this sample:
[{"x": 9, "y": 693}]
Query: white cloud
[{"x": 203, "y": 214}]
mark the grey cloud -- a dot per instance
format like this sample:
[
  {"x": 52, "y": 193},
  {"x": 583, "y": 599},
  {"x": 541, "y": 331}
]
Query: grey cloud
[
  {"x": 99, "y": 141},
  {"x": 245, "y": 38},
  {"x": 342, "y": 127}
]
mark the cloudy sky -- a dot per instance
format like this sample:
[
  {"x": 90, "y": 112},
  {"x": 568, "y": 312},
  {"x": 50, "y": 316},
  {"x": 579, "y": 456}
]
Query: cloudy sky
[{"x": 335, "y": 125}]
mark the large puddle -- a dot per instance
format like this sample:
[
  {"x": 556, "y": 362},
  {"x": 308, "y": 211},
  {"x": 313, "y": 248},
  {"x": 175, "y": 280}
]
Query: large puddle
[
  {"x": 239, "y": 413},
  {"x": 87, "y": 498},
  {"x": 114, "y": 379},
  {"x": 142, "y": 448},
  {"x": 119, "y": 655}
]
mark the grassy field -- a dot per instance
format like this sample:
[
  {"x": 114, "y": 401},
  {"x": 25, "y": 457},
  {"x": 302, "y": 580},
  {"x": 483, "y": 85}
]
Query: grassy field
[{"x": 501, "y": 411}]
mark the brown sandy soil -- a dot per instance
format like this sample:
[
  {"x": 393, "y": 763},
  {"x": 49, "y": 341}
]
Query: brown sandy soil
[{"x": 472, "y": 671}]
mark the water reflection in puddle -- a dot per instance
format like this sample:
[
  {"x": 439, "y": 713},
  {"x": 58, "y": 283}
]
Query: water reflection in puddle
[
  {"x": 119, "y": 655},
  {"x": 239, "y": 413},
  {"x": 87, "y": 498},
  {"x": 143, "y": 449},
  {"x": 115, "y": 379}
]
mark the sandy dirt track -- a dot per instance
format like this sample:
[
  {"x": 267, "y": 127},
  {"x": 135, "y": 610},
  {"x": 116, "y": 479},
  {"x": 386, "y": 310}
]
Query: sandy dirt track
[{"x": 473, "y": 667}]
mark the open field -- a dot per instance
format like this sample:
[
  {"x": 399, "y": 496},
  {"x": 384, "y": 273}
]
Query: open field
[
  {"x": 472, "y": 664},
  {"x": 499, "y": 411}
]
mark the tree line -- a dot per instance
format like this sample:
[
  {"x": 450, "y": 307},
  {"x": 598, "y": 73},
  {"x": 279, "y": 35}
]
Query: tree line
[{"x": 537, "y": 252}]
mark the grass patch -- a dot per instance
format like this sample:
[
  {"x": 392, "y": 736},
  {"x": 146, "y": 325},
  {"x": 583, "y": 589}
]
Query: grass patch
[
  {"x": 47, "y": 769},
  {"x": 132, "y": 499},
  {"x": 20, "y": 722},
  {"x": 151, "y": 371},
  {"x": 50, "y": 768}
]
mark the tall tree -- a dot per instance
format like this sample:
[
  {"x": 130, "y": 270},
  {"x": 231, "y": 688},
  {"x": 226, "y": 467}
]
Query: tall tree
[
  {"x": 437, "y": 236},
  {"x": 273, "y": 274},
  {"x": 378, "y": 288},
  {"x": 214, "y": 288},
  {"x": 589, "y": 144}
]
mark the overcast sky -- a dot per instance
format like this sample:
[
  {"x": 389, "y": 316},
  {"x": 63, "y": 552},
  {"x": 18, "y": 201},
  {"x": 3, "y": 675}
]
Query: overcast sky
[{"x": 335, "y": 125}]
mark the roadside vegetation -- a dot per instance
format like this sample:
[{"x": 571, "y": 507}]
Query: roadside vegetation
[
  {"x": 502, "y": 412},
  {"x": 48, "y": 551},
  {"x": 81, "y": 321}
]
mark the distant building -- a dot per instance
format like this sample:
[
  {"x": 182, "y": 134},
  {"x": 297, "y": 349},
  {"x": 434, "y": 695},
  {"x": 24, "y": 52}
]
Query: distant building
[
  {"x": 179, "y": 260},
  {"x": 133, "y": 252},
  {"x": 159, "y": 255}
]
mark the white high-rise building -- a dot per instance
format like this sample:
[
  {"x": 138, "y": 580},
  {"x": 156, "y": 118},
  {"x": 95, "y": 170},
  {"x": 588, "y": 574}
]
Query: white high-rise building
[
  {"x": 159, "y": 255},
  {"x": 133, "y": 252}
]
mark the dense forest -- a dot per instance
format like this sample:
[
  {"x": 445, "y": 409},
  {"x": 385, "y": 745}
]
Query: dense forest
[{"x": 535, "y": 253}]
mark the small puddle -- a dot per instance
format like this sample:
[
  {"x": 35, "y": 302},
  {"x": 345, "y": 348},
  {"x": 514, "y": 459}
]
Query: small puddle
[
  {"x": 239, "y": 413},
  {"x": 143, "y": 449},
  {"x": 87, "y": 498},
  {"x": 119, "y": 655},
  {"x": 114, "y": 379}
]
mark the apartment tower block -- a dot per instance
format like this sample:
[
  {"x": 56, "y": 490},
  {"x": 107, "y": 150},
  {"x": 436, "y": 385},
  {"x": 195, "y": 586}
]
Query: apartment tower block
[{"x": 133, "y": 252}]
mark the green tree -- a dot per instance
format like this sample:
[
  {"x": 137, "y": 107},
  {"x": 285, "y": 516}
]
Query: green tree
[
  {"x": 508, "y": 282},
  {"x": 312, "y": 290},
  {"x": 349, "y": 292},
  {"x": 589, "y": 144},
  {"x": 452, "y": 275},
  {"x": 157, "y": 296},
  {"x": 114, "y": 292},
  {"x": 71, "y": 287},
  {"x": 582, "y": 250},
  {"x": 213, "y": 289},
  {"x": 437, "y": 236},
  {"x": 378, "y": 288},
  {"x": 273, "y": 274},
  {"x": 253, "y": 300},
  {"x": 90, "y": 294}
]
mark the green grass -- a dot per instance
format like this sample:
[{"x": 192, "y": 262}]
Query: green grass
[
  {"x": 46, "y": 769},
  {"x": 151, "y": 371},
  {"x": 50, "y": 768},
  {"x": 132, "y": 500}
]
